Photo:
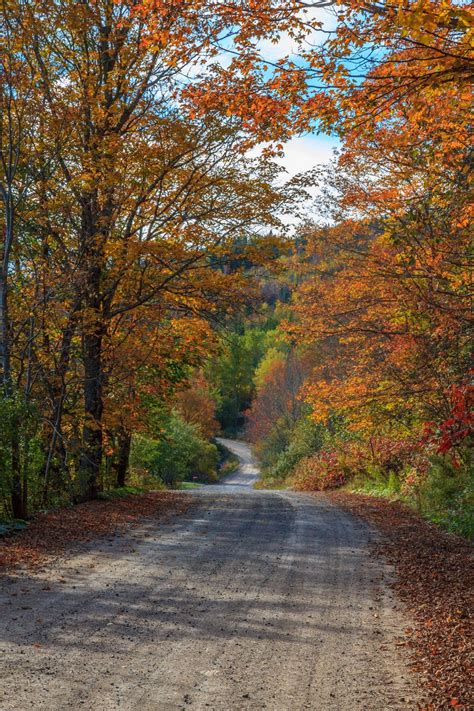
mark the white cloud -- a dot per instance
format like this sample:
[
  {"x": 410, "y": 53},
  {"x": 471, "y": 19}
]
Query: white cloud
[
  {"x": 286, "y": 45},
  {"x": 302, "y": 154},
  {"x": 305, "y": 152}
]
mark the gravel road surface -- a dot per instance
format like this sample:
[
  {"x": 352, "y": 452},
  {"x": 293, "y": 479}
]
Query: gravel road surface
[{"x": 250, "y": 600}]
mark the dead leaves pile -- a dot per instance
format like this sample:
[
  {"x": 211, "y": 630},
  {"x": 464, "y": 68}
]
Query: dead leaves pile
[
  {"x": 435, "y": 571},
  {"x": 51, "y": 534}
]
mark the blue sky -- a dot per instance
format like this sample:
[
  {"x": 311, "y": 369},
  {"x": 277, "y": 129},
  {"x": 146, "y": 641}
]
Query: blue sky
[{"x": 304, "y": 152}]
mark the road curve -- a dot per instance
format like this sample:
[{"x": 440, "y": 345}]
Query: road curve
[{"x": 250, "y": 600}]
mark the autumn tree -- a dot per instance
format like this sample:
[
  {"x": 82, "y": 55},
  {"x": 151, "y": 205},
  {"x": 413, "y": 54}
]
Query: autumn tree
[
  {"x": 277, "y": 405},
  {"x": 197, "y": 405},
  {"x": 18, "y": 122},
  {"x": 136, "y": 201}
]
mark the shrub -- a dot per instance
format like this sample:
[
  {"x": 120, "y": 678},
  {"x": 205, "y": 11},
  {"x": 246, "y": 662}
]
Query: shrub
[
  {"x": 306, "y": 439},
  {"x": 320, "y": 472},
  {"x": 180, "y": 453},
  {"x": 377, "y": 463},
  {"x": 447, "y": 493}
]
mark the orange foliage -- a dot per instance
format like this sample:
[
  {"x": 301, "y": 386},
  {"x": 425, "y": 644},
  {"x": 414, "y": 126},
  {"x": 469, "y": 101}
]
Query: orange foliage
[
  {"x": 197, "y": 406},
  {"x": 394, "y": 318},
  {"x": 277, "y": 402}
]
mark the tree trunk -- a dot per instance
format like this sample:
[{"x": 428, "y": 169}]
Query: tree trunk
[
  {"x": 53, "y": 431},
  {"x": 18, "y": 495},
  {"x": 18, "y": 498},
  {"x": 91, "y": 452},
  {"x": 90, "y": 459},
  {"x": 124, "y": 441},
  {"x": 18, "y": 501}
]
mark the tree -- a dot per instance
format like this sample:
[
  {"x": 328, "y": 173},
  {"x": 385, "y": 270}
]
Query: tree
[
  {"x": 196, "y": 404},
  {"x": 277, "y": 406},
  {"x": 130, "y": 205},
  {"x": 18, "y": 119},
  {"x": 153, "y": 200}
]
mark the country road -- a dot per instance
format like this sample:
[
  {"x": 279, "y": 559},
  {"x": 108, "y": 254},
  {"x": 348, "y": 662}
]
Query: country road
[{"x": 250, "y": 600}]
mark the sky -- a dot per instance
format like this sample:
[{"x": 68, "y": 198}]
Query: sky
[{"x": 303, "y": 153}]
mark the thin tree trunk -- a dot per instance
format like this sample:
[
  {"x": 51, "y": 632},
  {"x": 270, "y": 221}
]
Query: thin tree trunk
[
  {"x": 124, "y": 441},
  {"x": 91, "y": 452},
  {"x": 18, "y": 501},
  {"x": 58, "y": 398}
]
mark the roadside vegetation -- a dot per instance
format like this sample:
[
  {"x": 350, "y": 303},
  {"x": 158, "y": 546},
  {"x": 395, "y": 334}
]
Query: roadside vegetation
[
  {"x": 434, "y": 571},
  {"x": 151, "y": 294}
]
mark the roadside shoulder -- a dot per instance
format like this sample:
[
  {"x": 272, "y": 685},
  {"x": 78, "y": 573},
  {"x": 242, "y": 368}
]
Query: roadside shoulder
[
  {"x": 53, "y": 533},
  {"x": 434, "y": 573}
]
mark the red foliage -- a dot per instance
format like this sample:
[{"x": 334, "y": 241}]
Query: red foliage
[
  {"x": 277, "y": 397},
  {"x": 331, "y": 468},
  {"x": 196, "y": 404},
  {"x": 320, "y": 472},
  {"x": 454, "y": 430}
]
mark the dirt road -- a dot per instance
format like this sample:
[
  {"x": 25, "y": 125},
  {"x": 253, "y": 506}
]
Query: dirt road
[{"x": 251, "y": 600}]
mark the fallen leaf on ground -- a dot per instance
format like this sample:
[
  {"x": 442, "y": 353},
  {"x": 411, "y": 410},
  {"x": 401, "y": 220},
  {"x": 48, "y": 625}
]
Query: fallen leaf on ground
[{"x": 434, "y": 574}]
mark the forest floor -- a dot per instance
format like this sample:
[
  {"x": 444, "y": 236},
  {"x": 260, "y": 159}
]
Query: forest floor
[
  {"x": 246, "y": 600},
  {"x": 55, "y": 533}
]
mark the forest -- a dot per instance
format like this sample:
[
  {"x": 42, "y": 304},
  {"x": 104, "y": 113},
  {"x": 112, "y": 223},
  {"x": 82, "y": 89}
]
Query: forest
[
  {"x": 236, "y": 381},
  {"x": 152, "y": 292}
]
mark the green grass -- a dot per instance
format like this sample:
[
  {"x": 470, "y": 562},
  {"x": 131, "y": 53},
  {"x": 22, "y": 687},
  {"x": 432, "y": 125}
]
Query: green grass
[
  {"x": 229, "y": 461},
  {"x": 120, "y": 493},
  {"x": 185, "y": 485},
  {"x": 385, "y": 490},
  {"x": 459, "y": 520},
  {"x": 272, "y": 484},
  {"x": 454, "y": 521}
]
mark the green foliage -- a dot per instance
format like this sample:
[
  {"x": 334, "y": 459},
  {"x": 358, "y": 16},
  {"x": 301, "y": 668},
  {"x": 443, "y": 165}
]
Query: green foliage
[
  {"x": 120, "y": 493},
  {"x": 375, "y": 482},
  {"x": 179, "y": 454},
  {"x": 204, "y": 461},
  {"x": 233, "y": 372},
  {"x": 306, "y": 438},
  {"x": 287, "y": 444},
  {"x": 19, "y": 429},
  {"x": 274, "y": 445},
  {"x": 447, "y": 495},
  {"x": 232, "y": 375},
  {"x": 228, "y": 462}
]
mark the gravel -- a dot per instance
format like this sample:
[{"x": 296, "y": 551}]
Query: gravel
[{"x": 249, "y": 600}]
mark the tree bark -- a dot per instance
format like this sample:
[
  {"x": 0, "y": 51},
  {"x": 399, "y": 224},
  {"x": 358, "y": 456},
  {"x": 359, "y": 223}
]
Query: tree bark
[
  {"x": 18, "y": 499},
  {"x": 93, "y": 333},
  {"x": 53, "y": 431},
  {"x": 92, "y": 438},
  {"x": 121, "y": 464}
]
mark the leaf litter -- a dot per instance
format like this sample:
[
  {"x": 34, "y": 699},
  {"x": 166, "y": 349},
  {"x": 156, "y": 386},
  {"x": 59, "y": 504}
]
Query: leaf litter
[
  {"x": 434, "y": 577},
  {"x": 52, "y": 533}
]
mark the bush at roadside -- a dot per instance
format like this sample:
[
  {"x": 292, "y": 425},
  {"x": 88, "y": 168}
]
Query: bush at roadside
[{"x": 179, "y": 454}]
